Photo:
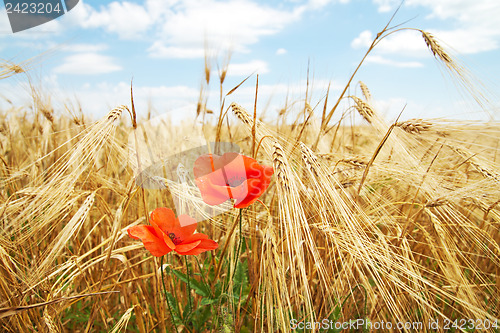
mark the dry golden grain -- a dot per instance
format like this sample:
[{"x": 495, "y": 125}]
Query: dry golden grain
[
  {"x": 436, "y": 48},
  {"x": 242, "y": 114},
  {"x": 416, "y": 240},
  {"x": 357, "y": 161},
  {"x": 437, "y": 202},
  {"x": 123, "y": 322},
  {"x": 49, "y": 321},
  {"x": 364, "y": 109},
  {"x": 365, "y": 91},
  {"x": 414, "y": 126},
  {"x": 281, "y": 169},
  {"x": 472, "y": 160},
  {"x": 310, "y": 159}
]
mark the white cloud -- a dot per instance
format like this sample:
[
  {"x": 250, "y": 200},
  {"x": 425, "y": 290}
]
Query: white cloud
[
  {"x": 160, "y": 50},
  {"x": 406, "y": 42},
  {"x": 99, "y": 99},
  {"x": 411, "y": 42},
  {"x": 128, "y": 20},
  {"x": 82, "y": 47},
  {"x": 245, "y": 69},
  {"x": 470, "y": 41},
  {"x": 281, "y": 51},
  {"x": 390, "y": 62},
  {"x": 318, "y": 4},
  {"x": 274, "y": 96},
  {"x": 476, "y": 21},
  {"x": 386, "y": 5},
  {"x": 182, "y": 29},
  {"x": 364, "y": 40},
  {"x": 391, "y": 108},
  {"x": 87, "y": 63},
  {"x": 222, "y": 25},
  {"x": 4, "y": 23},
  {"x": 480, "y": 12}
]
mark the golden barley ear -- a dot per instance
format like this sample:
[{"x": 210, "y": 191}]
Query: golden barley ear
[
  {"x": 8, "y": 69},
  {"x": 123, "y": 322},
  {"x": 281, "y": 168},
  {"x": 436, "y": 48},
  {"x": 459, "y": 73},
  {"x": 49, "y": 321},
  {"x": 365, "y": 91},
  {"x": 414, "y": 126},
  {"x": 242, "y": 114},
  {"x": 364, "y": 109}
]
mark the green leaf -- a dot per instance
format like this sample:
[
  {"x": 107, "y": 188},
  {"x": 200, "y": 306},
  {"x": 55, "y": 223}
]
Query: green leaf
[
  {"x": 240, "y": 278},
  {"x": 208, "y": 301},
  {"x": 334, "y": 317},
  {"x": 335, "y": 314},
  {"x": 202, "y": 315},
  {"x": 366, "y": 328},
  {"x": 173, "y": 305},
  {"x": 218, "y": 290},
  {"x": 197, "y": 286},
  {"x": 186, "y": 313}
]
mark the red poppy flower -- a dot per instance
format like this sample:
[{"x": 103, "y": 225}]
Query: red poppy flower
[
  {"x": 167, "y": 233},
  {"x": 231, "y": 176}
]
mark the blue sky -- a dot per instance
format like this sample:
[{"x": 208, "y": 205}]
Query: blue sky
[{"x": 97, "y": 48}]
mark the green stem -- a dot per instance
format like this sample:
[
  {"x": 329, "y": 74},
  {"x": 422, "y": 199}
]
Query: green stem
[
  {"x": 166, "y": 296},
  {"x": 188, "y": 288},
  {"x": 226, "y": 284},
  {"x": 239, "y": 245},
  {"x": 203, "y": 277}
]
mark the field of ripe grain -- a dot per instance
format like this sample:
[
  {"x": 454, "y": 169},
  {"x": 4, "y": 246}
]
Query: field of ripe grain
[{"x": 373, "y": 226}]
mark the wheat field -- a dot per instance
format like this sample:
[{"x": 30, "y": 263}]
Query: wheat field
[{"x": 373, "y": 226}]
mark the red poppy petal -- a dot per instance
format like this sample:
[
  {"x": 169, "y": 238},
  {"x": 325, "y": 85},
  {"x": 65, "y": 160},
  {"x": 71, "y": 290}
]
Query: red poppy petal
[
  {"x": 163, "y": 218},
  {"x": 183, "y": 248},
  {"x": 245, "y": 166},
  {"x": 231, "y": 175},
  {"x": 254, "y": 189},
  {"x": 242, "y": 191},
  {"x": 218, "y": 177},
  {"x": 212, "y": 194},
  {"x": 147, "y": 234},
  {"x": 169, "y": 242},
  {"x": 187, "y": 226},
  {"x": 204, "y": 165},
  {"x": 205, "y": 245},
  {"x": 234, "y": 169},
  {"x": 246, "y": 202},
  {"x": 195, "y": 237},
  {"x": 267, "y": 172}
]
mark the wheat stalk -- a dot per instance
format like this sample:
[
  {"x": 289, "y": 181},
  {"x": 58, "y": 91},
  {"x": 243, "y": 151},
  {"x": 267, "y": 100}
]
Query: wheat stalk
[
  {"x": 61, "y": 177},
  {"x": 365, "y": 91},
  {"x": 70, "y": 230},
  {"x": 472, "y": 160},
  {"x": 414, "y": 126},
  {"x": 242, "y": 114},
  {"x": 281, "y": 170},
  {"x": 310, "y": 160},
  {"x": 123, "y": 322},
  {"x": 49, "y": 321},
  {"x": 458, "y": 72},
  {"x": 356, "y": 161},
  {"x": 364, "y": 109},
  {"x": 436, "y": 48}
]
